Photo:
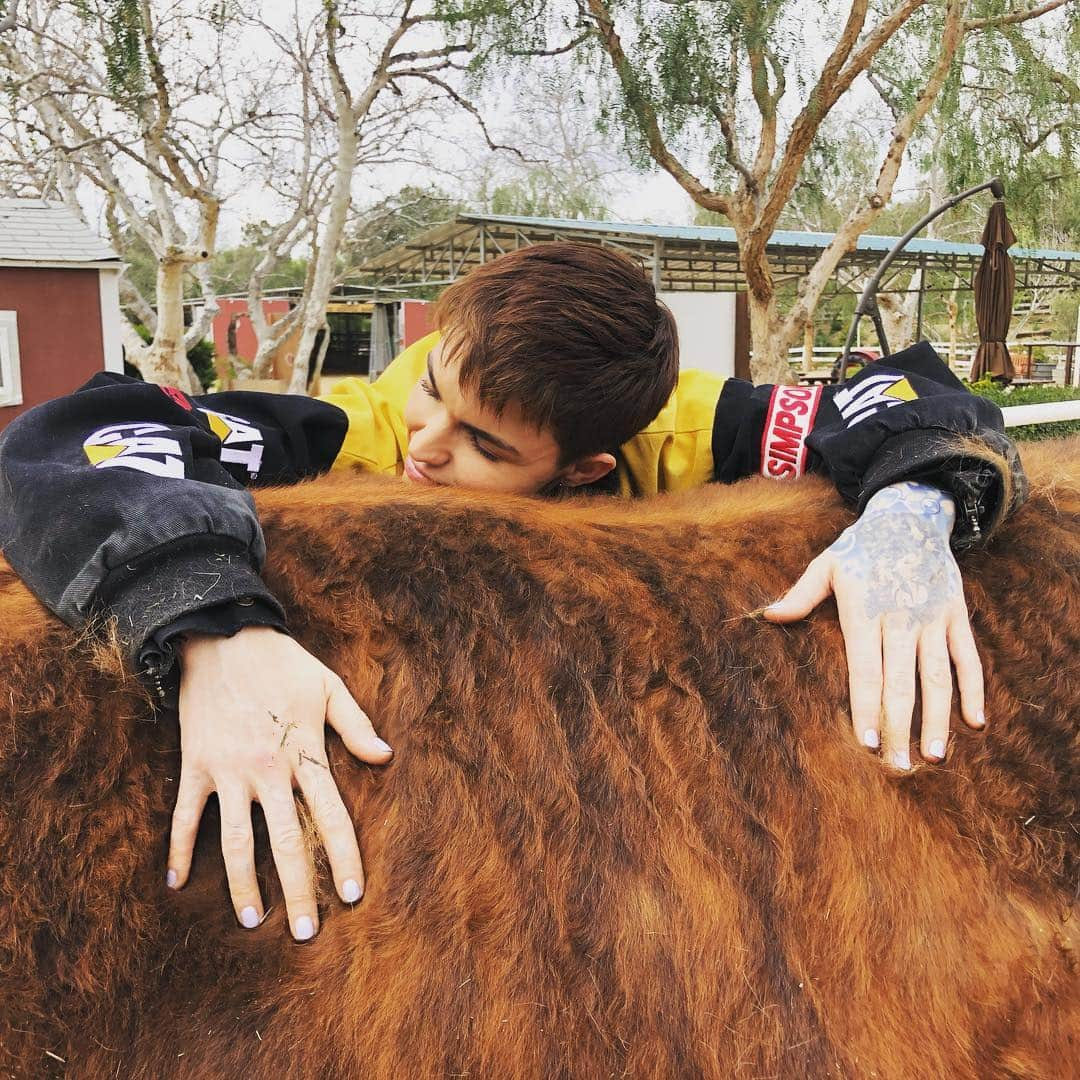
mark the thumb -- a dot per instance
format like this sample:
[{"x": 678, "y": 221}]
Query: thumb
[
  {"x": 805, "y": 595},
  {"x": 353, "y": 725}
]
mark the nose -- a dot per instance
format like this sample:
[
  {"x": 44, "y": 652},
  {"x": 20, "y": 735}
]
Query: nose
[{"x": 429, "y": 444}]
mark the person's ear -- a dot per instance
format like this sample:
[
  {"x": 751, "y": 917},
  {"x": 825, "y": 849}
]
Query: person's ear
[{"x": 587, "y": 470}]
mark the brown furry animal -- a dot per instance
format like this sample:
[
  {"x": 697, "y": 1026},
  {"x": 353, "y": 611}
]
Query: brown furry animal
[{"x": 627, "y": 831}]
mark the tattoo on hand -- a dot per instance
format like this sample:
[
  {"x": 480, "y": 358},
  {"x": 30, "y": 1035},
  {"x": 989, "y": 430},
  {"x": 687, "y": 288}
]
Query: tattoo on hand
[{"x": 900, "y": 549}]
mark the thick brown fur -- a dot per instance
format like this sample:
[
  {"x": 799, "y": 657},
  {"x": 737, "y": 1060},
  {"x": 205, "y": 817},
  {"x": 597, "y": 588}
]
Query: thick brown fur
[{"x": 627, "y": 831}]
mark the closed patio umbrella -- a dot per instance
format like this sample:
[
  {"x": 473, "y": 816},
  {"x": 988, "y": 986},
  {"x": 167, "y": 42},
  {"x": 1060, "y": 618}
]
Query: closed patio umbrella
[{"x": 995, "y": 282}]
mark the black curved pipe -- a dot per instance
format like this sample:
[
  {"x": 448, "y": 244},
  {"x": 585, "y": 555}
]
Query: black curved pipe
[{"x": 867, "y": 304}]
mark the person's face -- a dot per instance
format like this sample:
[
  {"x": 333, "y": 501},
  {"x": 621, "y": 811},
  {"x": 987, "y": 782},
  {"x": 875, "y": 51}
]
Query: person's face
[{"x": 455, "y": 440}]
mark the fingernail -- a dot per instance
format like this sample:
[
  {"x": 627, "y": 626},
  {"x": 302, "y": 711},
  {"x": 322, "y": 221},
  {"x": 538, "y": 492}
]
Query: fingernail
[
  {"x": 980, "y": 719},
  {"x": 901, "y": 759},
  {"x": 385, "y": 747},
  {"x": 350, "y": 891},
  {"x": 171, "y": 879},
  {"x": 304, "y": 929},
  {"x": 249, "y": 918},
  {"x": 871, "y": 739},
  {"x": 937, "y": 748},
  {"x": 773, "y": 606}
]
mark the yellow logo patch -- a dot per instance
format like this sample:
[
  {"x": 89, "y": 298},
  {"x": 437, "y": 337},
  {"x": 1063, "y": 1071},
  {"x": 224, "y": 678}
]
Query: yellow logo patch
[{"x": 901, "y": 390}]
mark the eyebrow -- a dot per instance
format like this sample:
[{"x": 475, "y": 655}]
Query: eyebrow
[{"x": 480, "y": 433}]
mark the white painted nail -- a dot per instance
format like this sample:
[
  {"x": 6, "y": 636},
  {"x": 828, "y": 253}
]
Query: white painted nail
[
  {"x": 980, "y": 718},
  {"x": 304, "y": 929},
  {"x": 937, "y": 748},
  {"x": 249, "y": 918},
  {"x": 901, "y": 759},
  {"x": 350, "y": 891},
  {"x": 171, "y": 879},
  {"x": 385, "y": 747},
  {"x": 871, "y": 738}
]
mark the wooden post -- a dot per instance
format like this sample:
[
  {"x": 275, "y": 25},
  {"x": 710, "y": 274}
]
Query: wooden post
[
  {"x": 742, "y": 337},
  {"x": 808, "y": 347}
]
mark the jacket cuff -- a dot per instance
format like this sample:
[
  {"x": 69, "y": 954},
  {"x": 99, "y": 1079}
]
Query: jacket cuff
[
  {"x": 982, "y": 473},
  {"x": 161, "y": 590},
  {"x": 156, "y": 658}
]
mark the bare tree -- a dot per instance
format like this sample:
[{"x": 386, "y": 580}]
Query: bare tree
[
  {"x": 395, "y": 52},
  {"x": 563, "y": 166},
  {"x": 146, "y": 118}
]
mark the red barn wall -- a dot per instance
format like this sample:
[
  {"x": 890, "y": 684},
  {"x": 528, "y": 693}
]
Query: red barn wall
[
  {"x": 246, "y": 342},
  {"x": 59, "y": 319},
  {"x": 416, "y": 321}
]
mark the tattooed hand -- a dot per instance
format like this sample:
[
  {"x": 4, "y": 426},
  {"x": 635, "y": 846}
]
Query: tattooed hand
[{"x": 901, "y": 604}]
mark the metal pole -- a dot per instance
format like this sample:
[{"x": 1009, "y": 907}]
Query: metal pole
[
  {"x": 918, "y": 310},
  {"x": 870, "y": 292}
]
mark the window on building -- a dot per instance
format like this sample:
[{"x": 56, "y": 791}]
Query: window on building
[{"x": 10, "y": 375}]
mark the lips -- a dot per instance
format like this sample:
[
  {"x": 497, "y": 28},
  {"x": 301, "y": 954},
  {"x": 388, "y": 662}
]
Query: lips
[{"x": 414, "y": 473}]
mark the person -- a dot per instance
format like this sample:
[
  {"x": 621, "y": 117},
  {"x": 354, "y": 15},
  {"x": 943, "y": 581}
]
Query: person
[{"x": 553, "y": 369}]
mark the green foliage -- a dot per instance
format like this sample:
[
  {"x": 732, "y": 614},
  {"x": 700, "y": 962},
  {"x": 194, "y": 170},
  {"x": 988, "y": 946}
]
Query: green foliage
[
  {"x": 125, "y": 62},
  {"x": 1031, "y": 395},
  {"x": 201, "y": 357},
  {"x": 398, "y": 218},
  {"x": 393, "y": 221},
  {"x": 140, "y": 263},
  {"x": 1011, "y": 108},
  {"x": 230, "y": 268},
  {"x": 543, "y": 192}
]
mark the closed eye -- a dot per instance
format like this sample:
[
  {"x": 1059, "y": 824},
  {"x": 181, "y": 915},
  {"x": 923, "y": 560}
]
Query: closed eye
[
  {"x": 479, "y": 447},
  {"x": 429, "y": 389}
]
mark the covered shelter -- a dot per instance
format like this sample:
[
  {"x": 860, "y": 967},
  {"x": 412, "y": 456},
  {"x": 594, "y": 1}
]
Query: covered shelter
[
  {"x": 59, "y": 304},
  {"x": 697, "y": 270}
]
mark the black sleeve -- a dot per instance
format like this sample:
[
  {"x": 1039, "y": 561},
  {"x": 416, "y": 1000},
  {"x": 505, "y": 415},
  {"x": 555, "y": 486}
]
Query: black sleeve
[
  {"x": 907, "y": 417},
  {"x": 128, "y": 499}
]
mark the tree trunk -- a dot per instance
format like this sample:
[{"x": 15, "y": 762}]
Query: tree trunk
[
  {"x": 769, "y": 362},
  {"x": 322, "y": 278},
  {"x": 898, "y": 311},
  {"x": 165, "y": 360}
]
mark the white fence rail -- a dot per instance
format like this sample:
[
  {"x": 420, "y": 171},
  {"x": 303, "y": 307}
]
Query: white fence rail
[
  {"x": 1056, "y": 362},
  {"x": 1048, "y": 413}
]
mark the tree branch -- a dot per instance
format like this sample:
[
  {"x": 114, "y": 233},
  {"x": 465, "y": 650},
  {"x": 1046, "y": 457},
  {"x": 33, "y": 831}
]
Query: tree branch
[
  {"x": 1015, "y": 17},
  {"x": 825, "y": 93},
  {"x": 646, "y": 114},
  {"x": 813, "y": 284}
]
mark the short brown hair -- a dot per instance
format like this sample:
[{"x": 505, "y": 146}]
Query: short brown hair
[{"x": 573, "y": 334}]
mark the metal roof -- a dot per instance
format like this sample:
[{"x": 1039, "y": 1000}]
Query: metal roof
[
  {"x": 36, "y": 232},
  {"x": 697, "y": 257}
]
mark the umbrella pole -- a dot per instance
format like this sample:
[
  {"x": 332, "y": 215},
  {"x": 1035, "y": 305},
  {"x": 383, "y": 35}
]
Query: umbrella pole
[
  {"x": 868, "y": 300},
  {"x": 919, "y": 303}
]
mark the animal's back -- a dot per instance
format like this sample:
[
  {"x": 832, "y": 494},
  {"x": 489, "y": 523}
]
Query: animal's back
[{"x": 626, "y": 831}]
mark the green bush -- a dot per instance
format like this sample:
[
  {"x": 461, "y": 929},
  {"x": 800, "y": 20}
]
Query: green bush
[
  {"x": 1031, "y": 395},
  {"x": 201, "y": 355}
]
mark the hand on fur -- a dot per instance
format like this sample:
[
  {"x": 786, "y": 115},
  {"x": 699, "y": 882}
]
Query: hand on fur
[
  {"x": 901, "y": 605},
  {"x": 253, "y": 710}
]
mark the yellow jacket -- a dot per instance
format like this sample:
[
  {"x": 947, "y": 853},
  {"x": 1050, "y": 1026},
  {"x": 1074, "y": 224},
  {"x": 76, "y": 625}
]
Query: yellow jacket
[{"x": 672, "y": 454}]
